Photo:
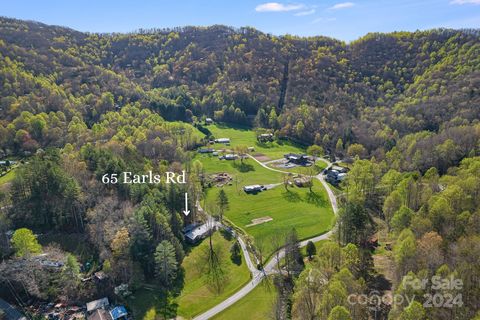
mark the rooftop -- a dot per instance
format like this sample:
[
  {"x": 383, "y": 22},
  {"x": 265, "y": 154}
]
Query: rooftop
[
  {"x": 10, "y": 312},
  {"x": 197, "y": 232},
  {"x": 118, "y": 312},
  {"x": 97, "y": 304}
]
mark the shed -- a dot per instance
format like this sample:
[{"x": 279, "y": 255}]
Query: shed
[
  {"x": 118, "y": 312},
  {"x": 222, "y": 140},
  {"x": 253, "y": 188},
  {"x": 97, "y": 304},
  {"x": 230, "y": 156}
]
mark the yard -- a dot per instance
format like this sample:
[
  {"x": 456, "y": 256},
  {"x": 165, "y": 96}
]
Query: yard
[
  {"x": 317, "y": 168},
  {"x": 258, "y": 304},
  {"x": 196, "y": 296},
  {"x": 247, "y": 137},
  {"x": 8, "y": 177},
  {"x": 310, "y": 213}
]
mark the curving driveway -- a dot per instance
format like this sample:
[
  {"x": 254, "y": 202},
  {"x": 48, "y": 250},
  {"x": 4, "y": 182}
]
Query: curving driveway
[{"x": 270, "y": 267}]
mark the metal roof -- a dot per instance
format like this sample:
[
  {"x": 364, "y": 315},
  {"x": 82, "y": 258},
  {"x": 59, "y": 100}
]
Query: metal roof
[
  {"x": 118, "y": 312},
  {"x": 97, "y": 304},
  {"x": 10, "y": 312}
]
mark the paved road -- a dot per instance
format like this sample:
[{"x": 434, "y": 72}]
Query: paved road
[{"x": 271, "y": 266}]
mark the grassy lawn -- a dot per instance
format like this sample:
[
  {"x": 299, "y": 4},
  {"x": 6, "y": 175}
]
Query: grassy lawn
[
  {"x": 309, "y": 213},
  {"x": 257, "y": 305},
  {"x": 196, "y": 296},
  {"x": 245, "y": 136},
  {"x": 248, "y": 172},
  {"x": 319, "y": 167},
  {"x": 8, "y": 177}
]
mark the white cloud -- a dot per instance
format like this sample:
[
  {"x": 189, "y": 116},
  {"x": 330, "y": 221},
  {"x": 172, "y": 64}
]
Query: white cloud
[
  {"x": 278, "y": 7},
  {"x": 305, "y": 13},
  {"x": 465, "y": 2},
  {"x": 345, "y": 5},
  {"x": 321, "y": 19}
]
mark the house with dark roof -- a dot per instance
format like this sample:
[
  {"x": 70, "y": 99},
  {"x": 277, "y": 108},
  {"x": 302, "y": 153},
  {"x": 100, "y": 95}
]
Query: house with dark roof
[
  {"x": 300, "y": 159},
  {"x": 197, "y": 232}
]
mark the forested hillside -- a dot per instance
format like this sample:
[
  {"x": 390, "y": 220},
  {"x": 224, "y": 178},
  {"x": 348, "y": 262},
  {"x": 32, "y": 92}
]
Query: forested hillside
[
  {"x": 401, "y": 110},
  {"x": 375, "y": 91}
]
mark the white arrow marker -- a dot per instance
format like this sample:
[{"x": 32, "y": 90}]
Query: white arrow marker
[{"x": 186, "y": 211}]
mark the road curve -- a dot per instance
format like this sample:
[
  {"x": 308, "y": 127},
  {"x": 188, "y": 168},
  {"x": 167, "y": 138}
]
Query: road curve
[{"x": 270, "y": 267}]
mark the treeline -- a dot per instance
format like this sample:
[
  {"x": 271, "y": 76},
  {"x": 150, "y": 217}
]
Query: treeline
[
  {"x": 133, "y": 233},
  {"x": 427, "y": 226},
  {"x": 372, "y": 92}
]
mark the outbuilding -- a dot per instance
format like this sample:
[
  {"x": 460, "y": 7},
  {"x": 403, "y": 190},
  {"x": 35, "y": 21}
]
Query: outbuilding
[
  {"x": 223, "y": 140},
  {"x": 97, "y": 304},
  {"x": 253, "y": 188}
]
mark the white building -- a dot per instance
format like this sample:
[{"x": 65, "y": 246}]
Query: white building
[{"x": 223, "y": 140}]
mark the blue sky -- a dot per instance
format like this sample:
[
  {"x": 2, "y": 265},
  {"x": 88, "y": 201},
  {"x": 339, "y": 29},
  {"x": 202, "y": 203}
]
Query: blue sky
[{"x": 342, "y": 19}]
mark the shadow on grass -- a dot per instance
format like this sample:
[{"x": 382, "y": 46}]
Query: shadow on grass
[
  {"x": 188, "y": 247},
  {"x": 316, "y": 199},
  {"x": 153, "y": 302},
  {"x": 243, "y": 167},
  {"x": 226, "y": 235},
  {"x": 291, "y": 196}
]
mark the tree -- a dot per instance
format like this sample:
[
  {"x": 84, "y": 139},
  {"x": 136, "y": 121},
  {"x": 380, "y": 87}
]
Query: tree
[
  {"x": 354, "y": 224},
  {"x": 235, "y": 253},
  {"x": 315, "y": 150},
  {"x": 339, "y": 148},
  {"x": 165, "y": 263},
  {"x": 70, "y": 276},
  {"x": 72, "y": 267},
  {"x": 355, "y": 150},
  {"x": 401, "y": 219},
  {"x": 25, "y": 243},
  {"x": 339, "y": 313},
  {"x": 242, "y": 151},
  {"x": 404, "y": 251},
  {"x": 222, "y": 203},
  {"x": 414, "y": 311},
  {"x": 391, "y": 205},
  {"x": 122, "y": 263},
  {"x": 293, "y": 256},
  {"x": 311, "y": 249}
]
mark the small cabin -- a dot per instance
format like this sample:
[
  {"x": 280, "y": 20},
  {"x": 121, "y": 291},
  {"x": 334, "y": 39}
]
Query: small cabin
[
  {"x": 206, "y": 150},
  {"x": 223, "y": 140},
  {"x": 229, "y": 157},
  {"x": 253, "y": 188},
  {"x": 265, "y": 137}
]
